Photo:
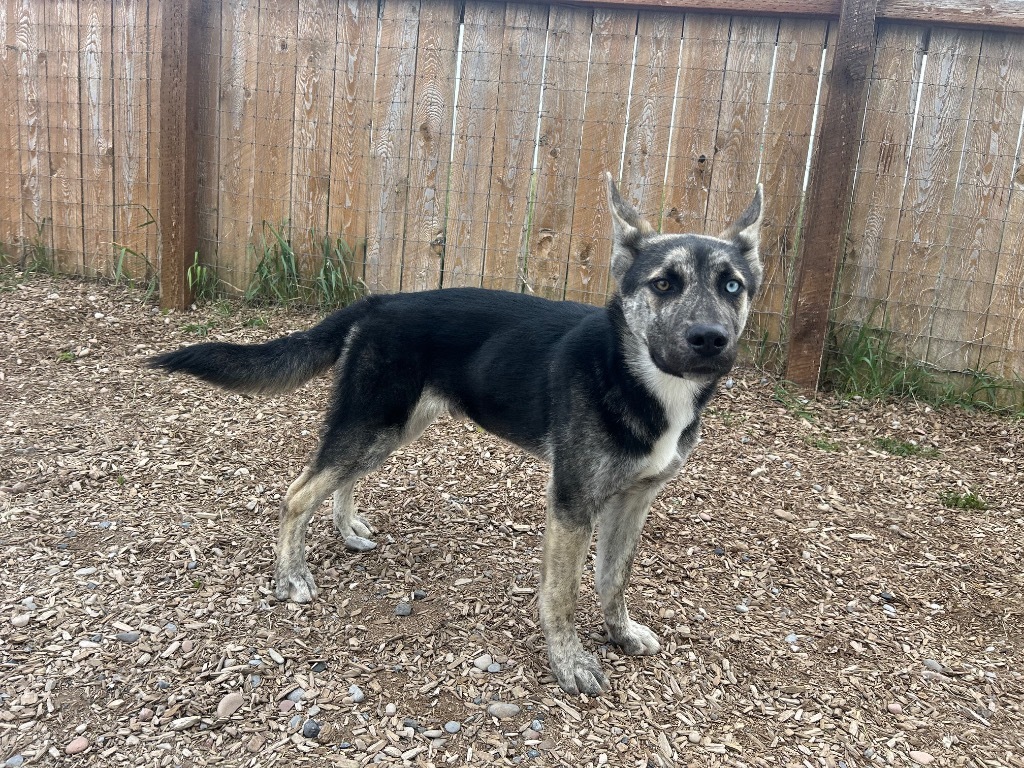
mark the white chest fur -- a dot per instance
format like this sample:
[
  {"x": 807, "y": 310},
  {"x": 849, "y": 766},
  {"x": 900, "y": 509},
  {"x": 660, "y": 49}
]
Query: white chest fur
[{"x": 679, "y": 397}]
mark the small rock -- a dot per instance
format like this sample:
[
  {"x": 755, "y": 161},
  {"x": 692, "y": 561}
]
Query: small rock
[
  {"x": 889, "y": 610},
  {"x": 88, "y": 571},
  {"x": 296, "y": 695},
  {"x": 741, "y": 608},
  {"x": 294, "y": 722},
  {"x": 483, "y": 662},
  {"x": 78, "y": 745},
  {"x": 531, "y": 735},
  {"x": 494, "y": 668},
  {"x": 255, "y": 744},
  {"x": 792, "y": 637},
  {"x": 390, "y": 710},
  {"x": 29, "y": 605},
  {"x": 538, "y": 726},
  {"x": 403, "y": 609},
  {"x": 356, "y": 693},
  {"x": 452, "y": 726},
  {"x": 286, "y": 706},
  {"x": 255, "y": 681},
  {"x": 704, "y": 517},
  {"x": 433, "y": 733},
  {"x": 502, "y": 710},
  {"x": 359, "y": 544},
  {"x": 693, "y": 737},
  {"x": 230, "y": 704},
  {"x": 320, "y": 666},
  {"x": 128, "y": 637},
  {"x": 921, "y": 758},
  {"x": 14, "y": 761},
  {"x": 311, "y": 729},
  {"x": 184, "y": 723},
  {"x": 419, "y": 594},
  {"x": 146, "y": 714},
  {"x": 21, "y": 620},
  {"x": 277, "y": 657},
  {"x": 410, "y": 722},
  {"x": 532, "y": 753},
  {"x": 895, "y": 708},
  {"x": 933, "y": 665}
]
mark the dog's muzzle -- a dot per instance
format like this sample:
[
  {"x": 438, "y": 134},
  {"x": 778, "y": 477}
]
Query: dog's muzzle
[{"x": 706, "y": 350}]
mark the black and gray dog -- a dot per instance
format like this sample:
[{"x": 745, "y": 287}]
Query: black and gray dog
[{"x": 611, "y": 397}]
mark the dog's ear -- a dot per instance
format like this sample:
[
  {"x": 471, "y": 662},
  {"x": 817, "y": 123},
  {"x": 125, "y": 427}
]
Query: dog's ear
[
  {"x": 745, "y": 232},
  {"x": 628, "y": 229}
]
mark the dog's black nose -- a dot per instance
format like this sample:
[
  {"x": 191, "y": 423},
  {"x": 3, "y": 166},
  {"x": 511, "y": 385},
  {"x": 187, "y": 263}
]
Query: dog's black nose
[{"x": 707, "y": 340}]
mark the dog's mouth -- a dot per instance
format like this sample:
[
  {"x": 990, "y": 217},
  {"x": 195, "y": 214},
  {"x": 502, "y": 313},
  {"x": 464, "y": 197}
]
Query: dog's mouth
[{"x": 691, "y": 368}]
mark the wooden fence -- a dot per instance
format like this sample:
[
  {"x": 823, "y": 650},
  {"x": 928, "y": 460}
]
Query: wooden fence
[{"x": 460, "y": 142}]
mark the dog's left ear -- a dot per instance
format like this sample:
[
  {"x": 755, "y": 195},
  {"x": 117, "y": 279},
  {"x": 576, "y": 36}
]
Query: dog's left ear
[
  {"x": 628, "y": 229},
  {"x": 745, "y": 232}
]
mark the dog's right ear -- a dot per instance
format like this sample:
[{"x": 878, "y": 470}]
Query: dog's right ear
[{"x": 628, "y": 229}]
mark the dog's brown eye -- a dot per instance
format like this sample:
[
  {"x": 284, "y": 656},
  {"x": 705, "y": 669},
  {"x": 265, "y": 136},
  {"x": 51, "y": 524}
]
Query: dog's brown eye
[{"x": 662, "y": 285}]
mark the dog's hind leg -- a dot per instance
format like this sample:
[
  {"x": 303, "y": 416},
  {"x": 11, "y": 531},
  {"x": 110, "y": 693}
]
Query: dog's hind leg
[
  {"x": 618, "y": 535},
  {"x": 292, "y": 577}
]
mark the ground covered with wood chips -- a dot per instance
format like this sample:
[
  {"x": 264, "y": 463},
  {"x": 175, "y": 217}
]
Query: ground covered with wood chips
[{"x": 819, "y": 601}]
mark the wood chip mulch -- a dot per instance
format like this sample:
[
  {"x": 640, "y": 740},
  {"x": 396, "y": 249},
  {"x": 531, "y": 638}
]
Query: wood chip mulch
[{"x": 818, "y": 600}]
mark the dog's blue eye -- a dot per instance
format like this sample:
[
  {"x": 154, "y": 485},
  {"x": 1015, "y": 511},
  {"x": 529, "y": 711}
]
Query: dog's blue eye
[{"x": 733, "y": 286}]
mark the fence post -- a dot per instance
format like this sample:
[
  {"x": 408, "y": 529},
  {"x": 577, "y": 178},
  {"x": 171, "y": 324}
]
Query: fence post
[
  {"x": 179, "y": 74},
  {"x": 830, "y": 191}
]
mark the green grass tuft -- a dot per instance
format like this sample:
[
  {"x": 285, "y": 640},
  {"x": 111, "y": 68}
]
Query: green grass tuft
[
  {"x": 823, "y": 443},
  {"x": 904, "y": 447},
  {"x": 962, "y": 500}
]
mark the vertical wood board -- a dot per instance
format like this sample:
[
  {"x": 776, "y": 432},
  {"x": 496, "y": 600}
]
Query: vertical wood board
[
  {"x": 10, "y": 142},
  {"x": 96, "y": 68}
]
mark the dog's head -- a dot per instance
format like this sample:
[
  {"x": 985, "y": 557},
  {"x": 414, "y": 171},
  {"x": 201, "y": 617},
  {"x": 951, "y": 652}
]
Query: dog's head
[{"x": 685, "y": 298}]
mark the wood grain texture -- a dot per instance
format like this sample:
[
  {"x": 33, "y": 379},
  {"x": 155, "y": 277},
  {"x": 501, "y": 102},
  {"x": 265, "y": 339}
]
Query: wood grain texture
[
  {"x": 561, "y": 129},
  {"x": 350, "y": 125},
  {"x": 963, "y": 293},
  {"x": 741, "y": 119},
  {"x": 311, "y": 137},
  {"x": 1003, "y": 352},
  {"x": 881, "y": 175},
  {"x": 205, "y": 58},
  {"x": 10, "y": 141},
  {"x": 828, "y": 192},
  {"x": 698, "y": 99},
  {"x": 392, "y": 122},
  {"x": 475, "y": 119},
  {"x": 604, "y": 127},
  {"x": 63, "y": 95},
  {"x": 97, "y": 133},
  {"x": 819, "y": 8},
  {"x": 798, "y": 62},
  {"x": 655, "y": 73},
  {"x": 921, "y": 254},
  {"x": 515, "y": 134},
  {"x": 132, "y": 216},
  {"x": 36, "y": 203},
  {"x": 232, "y": 120},
  {"x": 275, "y": 115},
  {"x": 431, "y": 143}
]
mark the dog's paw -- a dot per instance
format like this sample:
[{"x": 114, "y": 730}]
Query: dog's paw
[
  {"x": 635, "y": 639},
  {"x": 296, "y": 585},
  {"x": 356, "y": 526},
  {"x": 359, "y": 544},
  {"x": 579, "y": 672}
]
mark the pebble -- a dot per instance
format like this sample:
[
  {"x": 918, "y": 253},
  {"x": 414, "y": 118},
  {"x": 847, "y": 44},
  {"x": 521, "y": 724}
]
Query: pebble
[
  {"x": 320, "y": 666},
  {"x": 537, "y": 725},
  {"x": 14, "y": 761},
  {"x": 286, "y": 706},
  {"x": 419, "y": 594},
  {"x": 21, "y": 620},
  {"x": 28, "y": 604},
  {"x": 494, "y": 667},
  {"x": 895, "y": 708},
  {"x": 146, "y": 714},
  {"x": 78, "y": 745},
  {"x": 390, "y": 710},
  {"x": 359, "y": 544},
  {"x": 277, "y": 657},
  {"x": 128, "y": 637},
  {"x": 531, "y": 735},
  {"x": 792, "y": 637},
  {"x": 296, "y": 695},
  {"x": 704, "y": 517},
  {"x": 230, "y": 704},
  {"x": 255, "y": 681},
  {"x": 452, "y": 726},
  {"x": 356, "y": 693},
  {"x": 693, "y": 737},
  {"x": 433, "y": 733},
  {"x": 933, "y": 665},
  {"x": 502, "y": 710},
  {"x": 184, "y": 723},
  {"x": 88, "y": 571},
  {"x": 311, "y": 729},
  {"x": 403, "y": 609},
  {"x": 483, "y": 662},
  {"x": 255, "y": 744},
  {"x": 294, "y": 722},
  {"x": 410, "y": 722},
  {"x": 919, "y": 757},
  {"x": 890, "y": 610}
]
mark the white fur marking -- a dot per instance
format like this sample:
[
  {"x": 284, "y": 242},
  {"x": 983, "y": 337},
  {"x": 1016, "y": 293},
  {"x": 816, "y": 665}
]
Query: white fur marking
[{"x": 678, "y": 397}]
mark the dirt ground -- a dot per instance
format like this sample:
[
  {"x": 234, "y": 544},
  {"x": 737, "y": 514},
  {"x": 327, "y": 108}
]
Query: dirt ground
[{"x": 821, "y": 599}]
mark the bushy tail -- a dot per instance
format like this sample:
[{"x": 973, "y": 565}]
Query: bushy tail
[{"x": 277, "y": 366}]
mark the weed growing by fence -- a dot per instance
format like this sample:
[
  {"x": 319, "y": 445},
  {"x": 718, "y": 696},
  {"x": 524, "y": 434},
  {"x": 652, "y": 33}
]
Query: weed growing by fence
[
  {"x": 202, "y": 282},
  {"x": 962, "y": 500}
]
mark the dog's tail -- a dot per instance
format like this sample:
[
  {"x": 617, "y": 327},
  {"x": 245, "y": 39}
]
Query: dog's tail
[{"x": 271, "y": 368}]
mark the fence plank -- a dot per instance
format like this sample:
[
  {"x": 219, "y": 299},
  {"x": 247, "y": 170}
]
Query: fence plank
[
  {"x": 65, "y": 135},
  {"x": 963, "y": 293},
  {"x": 1003, "y": 353},
  {"x": 10, "y": 142},
  {"x": 311, "y": 137},
  {"x": 604, "y": 127},
  {"x": 514, "y": 140},
  {"x": 36, "y": 207},
  {"x": 392, "y": 121},
  {"x": 475, "y": 119},
  {"x": 561, "y": 127},
  {"x": 931, "y": 187},
  {"x": 95, "y": 16},
  {"x": 655, "y": 74},
  {"x": 275, "y": 114},
  {"x": 705, "y": 45},
  {"x": 798, "y": 62},
  {"x": 235, "y": 158},
  {"x": 207, "y": 58},
  {"x": 881, "y": 175},
  {"x": 829, "y": 191},
  {"x": 350, "y": 125},
  {"x": 741, "y": 119},
  {"x": 131, "y": 141},
  {"x": 430, "y": 151}
]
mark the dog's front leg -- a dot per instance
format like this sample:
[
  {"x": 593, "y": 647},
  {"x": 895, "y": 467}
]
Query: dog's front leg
[
  {"x": 618, "y": 535},
  {"x": 566, "y": 543}
]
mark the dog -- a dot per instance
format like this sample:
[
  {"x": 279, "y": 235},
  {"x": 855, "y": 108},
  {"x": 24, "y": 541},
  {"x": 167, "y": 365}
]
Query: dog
[{"x": 610, "y": 396}]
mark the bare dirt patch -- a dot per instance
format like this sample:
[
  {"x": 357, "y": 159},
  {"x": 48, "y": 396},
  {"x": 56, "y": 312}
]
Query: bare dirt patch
[{"x": 818, "y": 600}]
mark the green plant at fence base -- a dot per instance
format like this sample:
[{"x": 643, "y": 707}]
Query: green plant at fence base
[
  {"x": 202, "y": 283},
  {"x": 962, "y": 500},
  {"x": 865, "y": 362},
  {"x": 904, "y": 447},
  {"x": 793, "y": 401},
  {"x": 199, "y": 329},
  {"x": 276, "y": 280},
  {"x": 822, "y": 444},
  {"x": 65, "y": 357},
  {"x": 38, "y": 255}
]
